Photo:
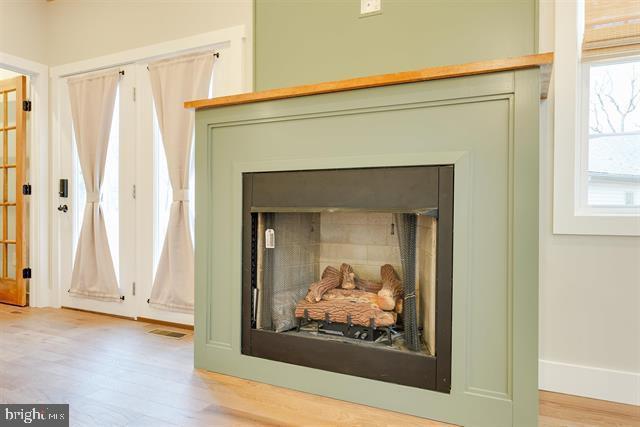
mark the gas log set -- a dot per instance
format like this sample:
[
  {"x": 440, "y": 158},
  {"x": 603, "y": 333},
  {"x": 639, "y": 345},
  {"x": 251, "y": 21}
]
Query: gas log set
[{"x": 341, "y": 297}]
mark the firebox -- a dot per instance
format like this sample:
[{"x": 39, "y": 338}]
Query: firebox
[{"x": 350, "y": 271}]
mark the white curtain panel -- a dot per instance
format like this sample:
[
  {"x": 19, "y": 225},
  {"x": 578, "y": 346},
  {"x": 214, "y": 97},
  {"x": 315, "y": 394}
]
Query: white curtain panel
[
  {"x": 92, "y": 101},
  {"x": 173, "y": 82}
]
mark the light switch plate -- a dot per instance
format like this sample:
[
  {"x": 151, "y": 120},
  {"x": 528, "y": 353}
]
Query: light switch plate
[{"x": 370, "y": 7}]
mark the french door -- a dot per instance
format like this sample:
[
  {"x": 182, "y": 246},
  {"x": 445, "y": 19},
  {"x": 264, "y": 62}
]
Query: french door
[
  {"x": 135, "y": 201},
  {"x": 117, "y": 201},
  {"x": 13, "y": 289}
]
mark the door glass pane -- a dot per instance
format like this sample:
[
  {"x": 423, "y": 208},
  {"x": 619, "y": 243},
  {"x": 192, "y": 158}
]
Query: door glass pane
[
  {"x": 11, "y": 98},
  {"x": 164, "y": 193},
  {"x": 110, "y": 190},
  {"x": 11, "y": 186},
  {"x": 1, "y": 109},
  {"x": 11, "y": 223},
  {"x": 162, "y": 187},
  {"x": 192, "y": 189},
  {"x": 78, "y": 195},
  {"x": 11, "y": 146},
  {"x": 1, "y": 142},
  {"x": 11, "y": 261}
]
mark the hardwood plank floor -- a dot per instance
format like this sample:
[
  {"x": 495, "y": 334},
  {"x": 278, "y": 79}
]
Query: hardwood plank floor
[
  {"x": 114, "y": 373},
  {"x": 572, "y": 411}
]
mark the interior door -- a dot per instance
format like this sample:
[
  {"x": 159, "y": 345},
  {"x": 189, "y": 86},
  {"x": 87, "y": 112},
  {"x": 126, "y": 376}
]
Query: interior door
[
  {"x": 117, "y": 203},
  {"x": 13, "y": 289}
]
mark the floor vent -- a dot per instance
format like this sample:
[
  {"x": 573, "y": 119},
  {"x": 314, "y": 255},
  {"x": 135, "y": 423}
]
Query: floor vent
[{"x": 167, "y": 333}]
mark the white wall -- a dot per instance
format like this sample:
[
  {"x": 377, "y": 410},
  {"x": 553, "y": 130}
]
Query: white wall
[
  {"x": 65, "y": 31},
  {"x": 589, "y": 291},
  {"x": 84, "y": 29},
  {"x": 23, "y": 28},
  {"x": 81, "y": 29}
]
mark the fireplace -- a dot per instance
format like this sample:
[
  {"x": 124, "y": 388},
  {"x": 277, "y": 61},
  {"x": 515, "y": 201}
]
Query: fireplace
[
  {"x": 333, "y": 174},
  {"x": 350, "y": 271}
]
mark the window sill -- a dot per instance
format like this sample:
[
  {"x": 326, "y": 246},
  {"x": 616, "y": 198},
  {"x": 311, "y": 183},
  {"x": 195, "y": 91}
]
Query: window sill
[{"x": 599, "y": 225}]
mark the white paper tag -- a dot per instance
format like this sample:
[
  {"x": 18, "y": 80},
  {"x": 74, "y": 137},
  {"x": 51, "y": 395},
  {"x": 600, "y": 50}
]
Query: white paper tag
[{"x": 269, "y": 238}]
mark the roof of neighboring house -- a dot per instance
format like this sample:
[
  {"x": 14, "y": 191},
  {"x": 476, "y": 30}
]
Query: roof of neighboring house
[{"x": 615, "y": 154}]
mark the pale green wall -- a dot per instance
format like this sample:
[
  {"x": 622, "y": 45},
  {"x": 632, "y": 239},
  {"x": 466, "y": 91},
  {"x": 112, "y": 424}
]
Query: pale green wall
[{"x": 309, "y": 41}]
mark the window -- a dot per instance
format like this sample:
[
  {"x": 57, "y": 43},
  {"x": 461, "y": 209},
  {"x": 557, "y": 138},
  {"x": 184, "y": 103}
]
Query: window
[
  {"x": 596, "y": 116},
  {"x": 610, "y": 124},
  {"x": 611, "y": 142}
]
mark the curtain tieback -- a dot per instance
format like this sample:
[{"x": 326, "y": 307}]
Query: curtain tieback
[
  {"x": 181, "y": 195},
  {"x": 93, "y": 197}
]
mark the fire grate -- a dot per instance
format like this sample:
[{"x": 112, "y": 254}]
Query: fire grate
[{"x": 167, "y": 333}]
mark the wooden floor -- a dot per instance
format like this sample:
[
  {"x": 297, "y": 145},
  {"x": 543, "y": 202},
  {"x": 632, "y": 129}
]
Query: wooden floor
[{"x": 114, "y": 373}]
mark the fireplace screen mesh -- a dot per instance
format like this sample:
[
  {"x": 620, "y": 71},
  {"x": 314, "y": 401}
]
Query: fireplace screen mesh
[
  {"x": 366, "y": 277},
  {"x": 288, "y": 267}
]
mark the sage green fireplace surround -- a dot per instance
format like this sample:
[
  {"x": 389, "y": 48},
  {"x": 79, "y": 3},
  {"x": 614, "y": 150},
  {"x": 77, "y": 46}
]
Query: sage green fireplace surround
[{"x": 487, "y": 127}]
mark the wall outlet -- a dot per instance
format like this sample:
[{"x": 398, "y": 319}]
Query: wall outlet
[{"x": 368, "y": 7}]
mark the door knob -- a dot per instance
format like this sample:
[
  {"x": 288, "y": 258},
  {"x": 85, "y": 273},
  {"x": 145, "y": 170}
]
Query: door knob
[{"x": 63, "y": 208}]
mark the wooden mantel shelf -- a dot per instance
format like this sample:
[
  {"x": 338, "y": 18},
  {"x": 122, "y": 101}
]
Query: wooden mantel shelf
[{"x": 542, "y": 61}]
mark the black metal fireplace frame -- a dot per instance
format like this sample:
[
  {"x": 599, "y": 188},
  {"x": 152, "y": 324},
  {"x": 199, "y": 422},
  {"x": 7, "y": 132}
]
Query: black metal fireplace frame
[{"x": 424, "y": 186}]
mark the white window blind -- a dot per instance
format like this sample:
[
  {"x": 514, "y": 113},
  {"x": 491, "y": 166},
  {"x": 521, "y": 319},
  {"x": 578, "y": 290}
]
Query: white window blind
[{"x": 611, "y": 27}]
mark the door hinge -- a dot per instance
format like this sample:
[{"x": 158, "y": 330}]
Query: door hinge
[
  {"x": 134, "y": 94},
  {"x": 133, "y": 289},
  {"x": 133, "y": 192},
  {"x": 26, "y": 273},
  {"x": 26, "y": 189},
  {"x": 26, "y": 105}
]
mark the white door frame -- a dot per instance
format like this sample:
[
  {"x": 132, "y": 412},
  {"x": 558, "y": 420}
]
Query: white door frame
[
  {"x": 41, "y": 291},
  {"x": 231, "y": 77}
]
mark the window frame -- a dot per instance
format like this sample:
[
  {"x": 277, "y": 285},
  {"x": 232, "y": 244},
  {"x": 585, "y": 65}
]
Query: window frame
[{"x": 570, "y": 212}]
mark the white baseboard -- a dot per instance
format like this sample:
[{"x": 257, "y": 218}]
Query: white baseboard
[{"x": 587, "y": 381}]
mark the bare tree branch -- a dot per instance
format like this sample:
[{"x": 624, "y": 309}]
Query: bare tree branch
[
  {"x": 596, "y": 118},
  {"x": 605, "y": 103},
  {"x": 631, "y": 106},
  {"x": 606, "y": 114}
]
